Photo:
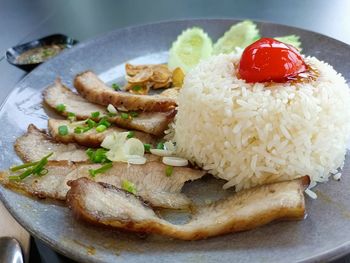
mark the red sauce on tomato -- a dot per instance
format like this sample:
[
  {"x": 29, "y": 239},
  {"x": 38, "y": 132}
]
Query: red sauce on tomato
[{"x": 270, "y": 60}]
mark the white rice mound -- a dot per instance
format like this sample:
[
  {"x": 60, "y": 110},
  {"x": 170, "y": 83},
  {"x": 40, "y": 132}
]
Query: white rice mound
[{"x": 252, "y": 134}]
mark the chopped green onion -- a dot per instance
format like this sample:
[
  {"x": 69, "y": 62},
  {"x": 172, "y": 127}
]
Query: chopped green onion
[
  {"x": 169, "y": 170},
  {"x": 115, "y": 86},
  {"x": 97, "y": 156},
  {"x": 40, "y": 166},
  {"x": 48, "y": 52},
  {"x": 160, "y": 146},
  {"x": 101, "y": 128},
  {"x": 22, "y": 166},
  {"x": 23, "y": 175},
  {"x": 63, "y": 130},
  {"x": 71, "y": 116},
  {"x": 61, "y": 107},
  {"x": 78, "y": 130},
  {"x": 85, "y": 129},
  {"x": 134, "y": 114},
  {"x": 14, "y": 178},
  {"x": 131, "y": 134},
  {"x": 95, "y": 114},
  {"x": 91, "y": 124},
  {"x": 90, "y": 153},
  {"x": 111, "y": 114},
  {"x": 147, "y": 147},
  {"x": 129, "y": 186},
  {"x": 104, "y": 122},
  {"x": 100, "y": 170},
  {"x": 35, "y": 168},
  {"x": 43, "y": 172},
  {"x": 124, "y": 116},
  {"x": 136, "y": 88}
]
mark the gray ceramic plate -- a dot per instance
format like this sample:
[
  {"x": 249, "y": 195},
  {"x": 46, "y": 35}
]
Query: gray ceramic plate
[{"x": 325, "y": 234}]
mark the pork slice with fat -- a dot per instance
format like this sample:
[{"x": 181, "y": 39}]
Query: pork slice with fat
[
  {"x": 95, "y": 90},
  {"x": 90, "y": 138},
  {"x": 35, "y": 144},
  {"x": 150, "y": 122},
  {"x": 105, "y": 205},
  {"x": 149, "y": 179}
]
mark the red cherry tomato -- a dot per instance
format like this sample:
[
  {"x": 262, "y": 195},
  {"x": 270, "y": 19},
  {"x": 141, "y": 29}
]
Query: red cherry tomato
[{"x": 270, "y": 60}]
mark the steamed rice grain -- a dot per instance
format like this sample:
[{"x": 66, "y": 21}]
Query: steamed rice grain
[{"x": 251, "y": 134}]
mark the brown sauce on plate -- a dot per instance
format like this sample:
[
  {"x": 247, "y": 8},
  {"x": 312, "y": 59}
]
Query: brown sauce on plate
[{"x": 40, "y": 54}]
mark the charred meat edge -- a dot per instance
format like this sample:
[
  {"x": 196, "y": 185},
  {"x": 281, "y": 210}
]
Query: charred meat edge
[
  {"x": 150, "y": 122},
  {"x": 244, "y": 210},
  {"x": 95, "y": 90}
]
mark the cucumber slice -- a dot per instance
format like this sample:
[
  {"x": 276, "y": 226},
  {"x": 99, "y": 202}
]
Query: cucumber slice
[
  {"x": 190, "y": 47},
  {"x": 239, "y": 35},
  {"x": 292, "y": 40}
]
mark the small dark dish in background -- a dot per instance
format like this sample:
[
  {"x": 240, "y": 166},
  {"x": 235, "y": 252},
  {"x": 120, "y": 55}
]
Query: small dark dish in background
[{"x": 29, "y": 55}]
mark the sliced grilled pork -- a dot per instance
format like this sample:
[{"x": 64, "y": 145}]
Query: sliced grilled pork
[
  {"x": 103, "y": 204},
  {"x": 150, "y": 180},
  {"x": 35, "y": 144},
  {"x": 150, "y": 122},
  {"x": 90, "y": 138},
  {"x": 95, "y": 90}
]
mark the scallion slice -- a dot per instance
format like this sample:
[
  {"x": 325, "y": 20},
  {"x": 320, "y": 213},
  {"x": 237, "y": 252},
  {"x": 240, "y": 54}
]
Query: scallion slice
[
  {"x": 131, "y": 134},
  {"x": 136, "y": 88},
  {"x": 100, "y": 170},
  {"x": 22, "y": 166},
  {"x": 97, "y": 156},
  {"x": 147, "y": 147},
  {"x": 60, "y": 107},
  {"x": 71, "y": 116},
  {"x": 129, "y": 186},
  {"x": 115, "y": 86},
  {"x": 23, "y": 175},
  {"x": 124, "y": 116},
  {"x": 35, "y": 168},
  {"x": 43, "y": 172},
  {"x": 95, "y": 114},
  {"x": 78, "y": 130},
  {"x": 169, "y": 170},
  {"x": 134, "y": 114},
  {"x": 160, "y": 146},
  {"x": 111, "y": 114},
  {"x": 91, "y": 124},
  {"x": 104, "y": 122},
  {"x": 101, "y": 128},
  {"x": 63, "y": 130}
]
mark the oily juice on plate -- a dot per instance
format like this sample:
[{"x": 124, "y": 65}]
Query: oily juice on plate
[{"x": 40, "y": 54}]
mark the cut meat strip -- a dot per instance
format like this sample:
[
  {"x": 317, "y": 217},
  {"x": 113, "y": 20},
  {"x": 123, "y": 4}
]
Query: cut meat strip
[
  {"x": 95, "y": 90},
  {"x": 52, "y": 185},
  {"x": 35, "y": 144},
  {"x": 57, "y": 94},
  {"x": 151, "y": 182},
  {"x": 150, "y": 122},
  {"x": 103, "y": 204},
  {"x": 91, "y": 138},
  {"x": 149, "y": 179}
]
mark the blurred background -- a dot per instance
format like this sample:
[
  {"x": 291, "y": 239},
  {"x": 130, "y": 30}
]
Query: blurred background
[{"x": 23, "y": 20}]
